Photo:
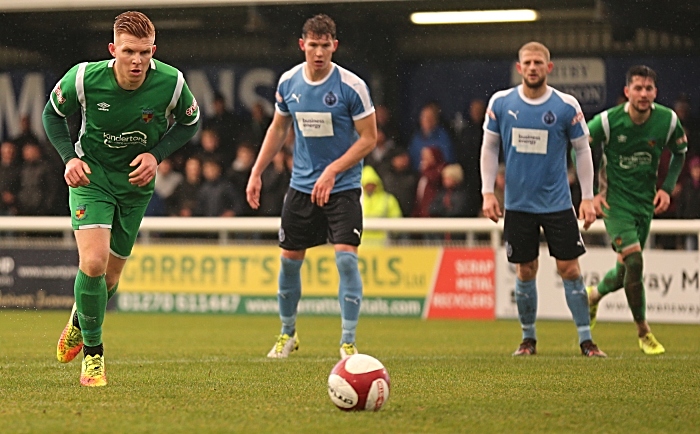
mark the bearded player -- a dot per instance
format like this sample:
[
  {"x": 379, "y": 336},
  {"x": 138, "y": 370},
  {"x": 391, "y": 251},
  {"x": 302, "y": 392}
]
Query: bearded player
[{"x": 633, "y": 135}]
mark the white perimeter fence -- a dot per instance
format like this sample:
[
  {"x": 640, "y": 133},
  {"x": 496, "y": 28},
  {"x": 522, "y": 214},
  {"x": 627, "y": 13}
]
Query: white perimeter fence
[{"x": 225, "y": 227}]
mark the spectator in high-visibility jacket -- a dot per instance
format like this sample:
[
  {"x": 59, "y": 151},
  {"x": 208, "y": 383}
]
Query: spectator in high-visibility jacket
[{"x": 377, "y": 203}]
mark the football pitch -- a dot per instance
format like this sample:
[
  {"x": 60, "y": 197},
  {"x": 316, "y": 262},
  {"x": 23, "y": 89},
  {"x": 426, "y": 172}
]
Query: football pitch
[{"x": 206, "y": 373}]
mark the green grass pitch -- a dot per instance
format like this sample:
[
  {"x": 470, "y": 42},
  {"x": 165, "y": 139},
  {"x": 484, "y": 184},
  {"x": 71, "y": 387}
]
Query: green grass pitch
[{"x": 208, "y": 373}]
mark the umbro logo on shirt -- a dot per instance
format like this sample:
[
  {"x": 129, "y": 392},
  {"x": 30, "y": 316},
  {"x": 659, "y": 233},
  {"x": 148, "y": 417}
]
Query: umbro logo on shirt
[{"x": 103, "y": 106}]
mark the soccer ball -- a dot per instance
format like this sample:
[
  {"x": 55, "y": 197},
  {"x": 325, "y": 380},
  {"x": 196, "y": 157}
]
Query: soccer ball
[{"x": 359, "y": 382}]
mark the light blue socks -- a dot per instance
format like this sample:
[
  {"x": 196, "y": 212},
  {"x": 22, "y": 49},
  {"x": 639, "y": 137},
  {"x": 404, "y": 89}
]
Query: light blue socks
[
  {"x": 577, "y": 300},
  {"x": 526, "y": 299},
  {"x": 289, "y": 293},
  {"x": 349, "y": 294}
]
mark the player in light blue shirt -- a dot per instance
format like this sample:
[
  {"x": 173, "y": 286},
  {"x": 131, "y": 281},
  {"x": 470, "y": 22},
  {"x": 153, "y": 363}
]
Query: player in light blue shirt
[
  {"x": 535, "y": 123},
  {"x": 535, "y": 134},
  {"x": 324, "y": 115},
  {"x": 335, "y": 128}
]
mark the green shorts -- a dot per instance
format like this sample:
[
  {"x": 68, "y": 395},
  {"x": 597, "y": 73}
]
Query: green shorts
[
  {"x": 92, "y": 207},
  {"x": 626, "y": 229}
]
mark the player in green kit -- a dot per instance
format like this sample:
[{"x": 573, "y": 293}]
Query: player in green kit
[
  {"x": 633, "y": 135},
  {"x": 125, "y": 104}
]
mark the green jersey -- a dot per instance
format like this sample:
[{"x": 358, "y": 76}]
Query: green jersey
[
  {"x": 628, "y": 172},
  {"x": 117, "y": 125}
]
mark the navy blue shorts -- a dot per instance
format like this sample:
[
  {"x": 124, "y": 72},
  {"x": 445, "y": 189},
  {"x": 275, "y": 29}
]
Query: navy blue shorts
[
  {"x": 521, "y": 232},
  {"x": 305, "y": 224}
]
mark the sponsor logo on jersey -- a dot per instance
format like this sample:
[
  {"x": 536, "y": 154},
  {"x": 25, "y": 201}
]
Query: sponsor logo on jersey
[
  {"x": 578, "y": 118},
  {"x": 635, "y": 160},
  {"x": 530, "y": 141},
  {"x": 80, "y": 212},
  {"x": 146, "y": 115},
  {"x": 330, "y": 99},
  {"x": 278, "y": 97},
  {"x": 315, "y": 124},
  {"x": 103, "y": 106},
  {"x": 549, "y": 118},
  {"x": 622, "y": 138},
  {"x": 193, "y": 108},
  {"x": 296, "y": 97},
  {"x": 125, "y": 139},
  {"x": 280, "y": 235},
  {"x": 514, "y": 113},
  {"x": 59, "y": 94},
  {"x": 682, "y": 140},
  {"x": 491, "y": 114}
]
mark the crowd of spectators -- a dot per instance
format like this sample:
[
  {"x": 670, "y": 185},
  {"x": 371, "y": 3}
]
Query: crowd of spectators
[
  {"x": 29, "y": 170},
  {"x": 432, "y": 172}
]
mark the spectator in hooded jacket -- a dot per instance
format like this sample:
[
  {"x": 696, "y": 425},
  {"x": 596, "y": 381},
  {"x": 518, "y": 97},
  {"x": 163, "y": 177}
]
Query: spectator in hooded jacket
[{"x": 377, "y": 203}]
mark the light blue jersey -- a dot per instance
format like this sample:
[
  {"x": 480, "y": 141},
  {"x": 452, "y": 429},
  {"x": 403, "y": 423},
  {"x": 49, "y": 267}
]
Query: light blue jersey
[
  {"x": 324, "y": 113},
  {"x": 535, "y": 134}
]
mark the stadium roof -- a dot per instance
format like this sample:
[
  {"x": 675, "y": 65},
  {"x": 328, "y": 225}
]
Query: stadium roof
[
  {"x": 43, "y": 32},
  {"x": 54, "y": 5}
]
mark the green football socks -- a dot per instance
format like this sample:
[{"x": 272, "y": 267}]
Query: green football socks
[
  {"x": 634, "y": 287},
  {"x": 614, "y": 279},
  {"x": 111, "y": 292},
  {"x": 91, "y": 299}
]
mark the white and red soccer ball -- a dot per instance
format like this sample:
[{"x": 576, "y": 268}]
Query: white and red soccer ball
[{"x": 359, "y": 382}]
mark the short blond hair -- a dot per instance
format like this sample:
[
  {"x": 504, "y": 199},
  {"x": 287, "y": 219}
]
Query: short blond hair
[
  {"x": 134, "y": 23},
  {"x": 534, "y": 46},
  {"x": 453, "y": 171}
]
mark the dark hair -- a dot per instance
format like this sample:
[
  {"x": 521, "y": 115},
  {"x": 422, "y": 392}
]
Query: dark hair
[
  {"x": 683, "y": 97},
  {"x": 640, "y": 71},
  {"x": 319, "y": 25}
]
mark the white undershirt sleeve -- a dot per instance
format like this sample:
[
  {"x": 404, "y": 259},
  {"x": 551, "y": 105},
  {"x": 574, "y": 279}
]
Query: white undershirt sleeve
[
  {"x": 584, "y": 166},
  {"x": 489, "y": 160}
]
